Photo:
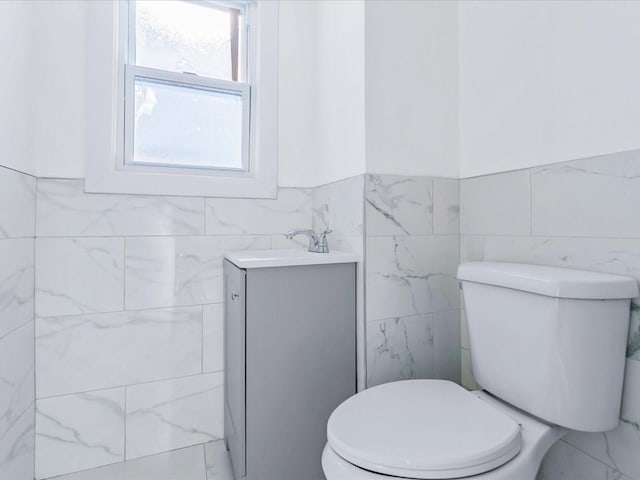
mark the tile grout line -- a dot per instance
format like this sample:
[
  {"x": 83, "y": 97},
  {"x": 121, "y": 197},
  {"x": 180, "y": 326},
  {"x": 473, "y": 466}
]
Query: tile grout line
[
  {"x": 204, "y": 457},
  {"x": 124, "y": 453},
  {"x": 35, "y": 354},
  {"x": 530, "y": 202},
  {"x": 129, "y": 385}
]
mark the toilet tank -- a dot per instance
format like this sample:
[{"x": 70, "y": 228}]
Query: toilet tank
[{"x": 550, "y": 341}]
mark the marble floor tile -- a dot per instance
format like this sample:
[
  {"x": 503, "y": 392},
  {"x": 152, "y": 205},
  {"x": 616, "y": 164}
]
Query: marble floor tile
[
  {"x": 174, "y": 413},
  {"x": 17, "y": 190},
  {"x": 218, "y": 461},
  {"x": 16, "y": 375},
  {"x": 79, "y": 275},
  {"x": 400, "y": 349},
  {"x": 398, "y": 205},
  {"x": 77, "y": 432},
  {"x": 64, "y": 209},
  {"x": 16, "y": 283},
  {"x": 173, "y": 271},
  {"x": 182, "y": 464},
  {"x": 17, "y": 448},
  {"x": 291, "y": 210},
  {"x": 88, "y": 352}
]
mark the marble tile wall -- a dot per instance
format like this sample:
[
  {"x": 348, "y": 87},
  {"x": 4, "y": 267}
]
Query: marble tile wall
[
  {"x": 580, "y": 214},
  {"x": 412, "y": 299},
  {"x": 17, "y": 395},
  {"x": 339, "y": 207},
  {"x": 128, "y": 328},
  {"x": 406, "y": 230}
]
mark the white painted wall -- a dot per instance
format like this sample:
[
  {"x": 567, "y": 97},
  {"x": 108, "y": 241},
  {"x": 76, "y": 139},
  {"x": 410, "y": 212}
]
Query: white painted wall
[
  {"x": 298, "y": 154},
  {"x": 412, "y": 88},
  {"x": 57, "y": 123},
  {"x": 340, "y": 90},
  {"x": 59, "y": 66},
  {"x": 16, "y": 85},
  {"x": 542, "y": 82}
]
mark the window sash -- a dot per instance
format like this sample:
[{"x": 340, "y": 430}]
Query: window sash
[
  {"x": 183, "y": 80},
  {"x": 242, "y": 70}
]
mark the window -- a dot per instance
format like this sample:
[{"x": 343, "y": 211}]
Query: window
[{"x": 189, "y": 110}]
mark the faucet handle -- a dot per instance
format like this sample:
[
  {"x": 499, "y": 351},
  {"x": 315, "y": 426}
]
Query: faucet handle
[{"x": 317, "y": 244}]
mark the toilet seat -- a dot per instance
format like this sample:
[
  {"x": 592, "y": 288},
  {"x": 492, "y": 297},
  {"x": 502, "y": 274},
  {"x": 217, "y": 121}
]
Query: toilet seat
[{"x": 424, "y": 429}]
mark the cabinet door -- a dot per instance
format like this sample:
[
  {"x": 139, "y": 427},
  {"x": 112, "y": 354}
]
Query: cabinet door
[{"x": 234, "y": 367}]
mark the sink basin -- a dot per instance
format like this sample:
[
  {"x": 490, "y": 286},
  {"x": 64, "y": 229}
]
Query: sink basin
[{"x": 287, "y": 258}]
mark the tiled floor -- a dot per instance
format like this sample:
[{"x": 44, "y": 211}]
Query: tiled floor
[{"x": 202, "y": 462}]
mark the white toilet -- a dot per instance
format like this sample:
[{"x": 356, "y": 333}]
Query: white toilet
[{"x": 548, "y": 348}]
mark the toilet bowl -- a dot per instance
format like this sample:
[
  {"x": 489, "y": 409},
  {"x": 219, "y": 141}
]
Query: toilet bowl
[
  {"x": 548, "y": 348},
  {"x": 534, "y": 436}
]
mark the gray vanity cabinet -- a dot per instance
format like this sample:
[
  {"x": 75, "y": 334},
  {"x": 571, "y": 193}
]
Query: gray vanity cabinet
[{"x": 290, "y": 360}]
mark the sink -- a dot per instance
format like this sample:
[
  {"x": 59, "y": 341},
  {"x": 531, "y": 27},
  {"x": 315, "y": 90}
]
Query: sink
[{"x": 287, "y": 258}]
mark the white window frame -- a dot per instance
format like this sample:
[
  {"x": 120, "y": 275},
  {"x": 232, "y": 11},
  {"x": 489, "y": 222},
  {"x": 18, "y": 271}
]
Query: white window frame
[{"x": 108, "y": 78}]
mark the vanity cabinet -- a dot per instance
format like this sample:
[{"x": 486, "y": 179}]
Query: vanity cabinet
[{"x": 290, "y": 358}]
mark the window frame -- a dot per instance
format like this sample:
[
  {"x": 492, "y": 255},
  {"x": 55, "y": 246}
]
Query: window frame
[{"x": 107, "y": 80}]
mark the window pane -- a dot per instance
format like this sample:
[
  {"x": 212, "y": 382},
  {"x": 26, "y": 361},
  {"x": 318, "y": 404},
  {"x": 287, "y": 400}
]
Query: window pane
[
  {"x": 187, "y": 126},
  {"x": 188, "y": 37}
]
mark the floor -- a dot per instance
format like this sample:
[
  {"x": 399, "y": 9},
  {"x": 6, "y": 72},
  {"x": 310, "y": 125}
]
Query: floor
[{"x": 202, "y": 462}]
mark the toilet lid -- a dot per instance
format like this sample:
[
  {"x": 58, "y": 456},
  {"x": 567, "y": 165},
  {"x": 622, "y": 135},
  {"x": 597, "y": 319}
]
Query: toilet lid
[{"x": 422, "y": 429}]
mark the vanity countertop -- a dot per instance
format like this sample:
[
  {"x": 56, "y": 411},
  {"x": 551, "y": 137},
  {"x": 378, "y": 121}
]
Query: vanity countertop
[{"x": 287, "y": 258}]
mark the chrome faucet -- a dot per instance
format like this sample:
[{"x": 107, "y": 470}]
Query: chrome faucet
[{"x": 317, "y": 243}]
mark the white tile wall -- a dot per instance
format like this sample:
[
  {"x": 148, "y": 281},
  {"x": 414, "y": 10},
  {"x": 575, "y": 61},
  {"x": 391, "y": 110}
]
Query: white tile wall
[
  {"x": 16, "y": 375},
  {"x": 208, "y": 462},
  {"x": 400, "y": 348},
  {"x": 17, "y": 198},
  {"x": 64, "y": 210},
  {"x": 399, "y": 205},
  {"x": 17, "y": 227},
  {"x": 246, "y": 216},
  {"x": 16, "y": 283},
  {"x": 213, "y": 337},
  {"x": 412, "y": 299},
  {"x": 565, "y": 462},
  {"x": 409, "y": 275},
  {"x": 80, "y": 431},
  {"x": 598, "y": 197},
  {"x": 171, "y": 414},
  {"x": 446, "y": 206},
  {"x": 339, "y": 207},
  {"x": 17, "y": 448},
  {"x": 129, "y": 292},
  {"x": 446, "y": 335},
  {"x": 79, "y": 275},
  {"x": 171, "y": 271},
  {"x": 484, "y": 208},
  {"x": 80, "y": 353}
]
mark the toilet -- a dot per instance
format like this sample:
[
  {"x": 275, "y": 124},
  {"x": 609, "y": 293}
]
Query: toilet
[{"x": 548, "y": 349}]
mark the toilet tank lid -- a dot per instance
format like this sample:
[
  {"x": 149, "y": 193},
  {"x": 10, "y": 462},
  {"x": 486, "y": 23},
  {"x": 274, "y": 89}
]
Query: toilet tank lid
[{"x": 550, "y": 281}]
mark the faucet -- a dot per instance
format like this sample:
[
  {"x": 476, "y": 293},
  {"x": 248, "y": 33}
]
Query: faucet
[{"x": 317, "y": 244}]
